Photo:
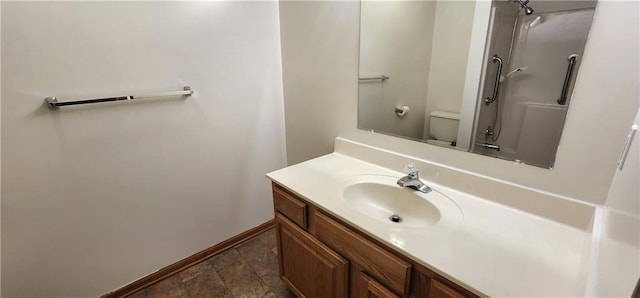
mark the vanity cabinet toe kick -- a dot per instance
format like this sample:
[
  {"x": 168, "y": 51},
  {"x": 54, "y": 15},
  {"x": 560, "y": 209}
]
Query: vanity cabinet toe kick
[{"x": 322, "y": 256}]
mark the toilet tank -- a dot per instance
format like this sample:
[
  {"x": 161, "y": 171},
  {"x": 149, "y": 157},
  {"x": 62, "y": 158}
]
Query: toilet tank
[{"x": 443, "y": 126}]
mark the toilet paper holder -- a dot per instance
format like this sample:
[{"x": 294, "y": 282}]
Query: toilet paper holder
[{"x": 402, "y": 111}]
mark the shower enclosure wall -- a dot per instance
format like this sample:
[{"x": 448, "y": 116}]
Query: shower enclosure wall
[{"x": 522, "y": 109}]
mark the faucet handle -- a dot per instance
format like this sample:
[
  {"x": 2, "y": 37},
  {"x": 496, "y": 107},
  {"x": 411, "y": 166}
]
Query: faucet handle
[{"x": 411, "y": 170}]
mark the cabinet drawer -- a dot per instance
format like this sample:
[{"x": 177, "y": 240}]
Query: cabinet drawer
[
  {"x": 378, "y": 263},
  {"x": 289, "y": 206}
]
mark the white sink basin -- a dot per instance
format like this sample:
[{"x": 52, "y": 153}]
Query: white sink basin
[{"x": 380, "y": 198}]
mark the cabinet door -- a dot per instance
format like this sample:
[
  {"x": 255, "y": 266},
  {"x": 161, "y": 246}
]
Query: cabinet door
[
  {"x": 367, "y": 287},
  {"x": 307, "y": 266},
  {"x": 377, "y": 261}
]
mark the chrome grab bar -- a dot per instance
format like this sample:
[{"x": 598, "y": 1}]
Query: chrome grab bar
[
  {"x": 627, "y": 146},
  {"x": 567, "y": 79},
  {"x": 490, "y": 146},
  {"x": 496, "y": 85},
  {"x": 381, "y": 78},
  {"x": 53, "y": 104}
]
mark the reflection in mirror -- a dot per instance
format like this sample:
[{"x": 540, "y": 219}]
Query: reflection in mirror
[
  {"x": 413, "y": 64},
  {"x": 422, "y": 46},
  {"x": 534, "y": 61}
]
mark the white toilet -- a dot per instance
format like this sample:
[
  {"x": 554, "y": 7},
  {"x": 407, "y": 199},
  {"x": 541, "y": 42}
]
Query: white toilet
[{"x": 443, "y": 128}]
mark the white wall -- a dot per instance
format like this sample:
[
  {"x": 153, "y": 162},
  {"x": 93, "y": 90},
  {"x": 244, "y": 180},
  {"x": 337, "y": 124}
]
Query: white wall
[
  {"x": 395, "y": 40},
  {"x": 451, "y": 40},
  {"x": 617, "y": 258},
  {"x": 604, "y": 101},
  {"x": 320, "y": 73},
  {"x": 96, "y": 196}
]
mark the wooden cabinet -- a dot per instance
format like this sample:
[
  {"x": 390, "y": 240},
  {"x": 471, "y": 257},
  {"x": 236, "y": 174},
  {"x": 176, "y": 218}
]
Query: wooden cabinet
[
  {"x": 440, "y": 290},
  {"x": 321, "y": 256},
  {"x": 367, "y": 287},
  {"x": 308, "y": 267},
  {"x": 287, "y": 205},
  {"x": 376, "y": 261}
]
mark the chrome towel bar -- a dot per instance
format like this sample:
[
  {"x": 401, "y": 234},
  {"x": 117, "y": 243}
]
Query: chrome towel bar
[
  {"x": 380, "y": 78},
  {"x": 53, "y": 104}
]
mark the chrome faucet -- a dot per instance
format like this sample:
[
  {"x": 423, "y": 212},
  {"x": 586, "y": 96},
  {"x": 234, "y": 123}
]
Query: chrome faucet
[{"x": 412, "y": 180}]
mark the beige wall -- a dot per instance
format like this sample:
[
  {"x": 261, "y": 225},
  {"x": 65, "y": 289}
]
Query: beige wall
[
  {"x": 604, "y": 101},
  {"x": 617, "y": 257},
  {"x": 451, "y": 37},
  {"x": 320, "y": 71},
  {"x": 396, "y": 40},
  {"x": 94, "y": 197}
]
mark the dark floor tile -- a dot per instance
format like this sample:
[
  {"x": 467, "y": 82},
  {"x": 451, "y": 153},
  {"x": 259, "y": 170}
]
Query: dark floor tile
[
  {"x": 224, "y": 259},
  {"x": 260, "y": 257},
  {"x": 171, "y": 287},
  {"x": 254, "y": 288},
  {"x": 195, "y": 270},
  {"x": 276, "y": 285},
  {"x": 207, "y": 284},
  {"x": 269, "y": 238},
  {"x": 237, "y": 275},
  {"x": 247, "y": 270},
  {"x": 250, "y": 245},
  {"x": 265, "y": 264},
  {"x": 139, "y": 294}
]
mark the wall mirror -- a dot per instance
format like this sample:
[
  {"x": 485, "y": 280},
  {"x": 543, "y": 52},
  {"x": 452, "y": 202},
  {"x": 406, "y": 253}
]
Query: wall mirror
[{"x": 414, "y": 57}]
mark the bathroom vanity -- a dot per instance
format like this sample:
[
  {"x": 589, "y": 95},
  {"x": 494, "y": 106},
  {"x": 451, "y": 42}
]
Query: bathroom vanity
[
  {"x": 479, "y": 239},
  {"x": 322, "y": 256}
]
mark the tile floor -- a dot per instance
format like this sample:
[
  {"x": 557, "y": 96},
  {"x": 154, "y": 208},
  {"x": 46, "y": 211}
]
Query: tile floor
[{"x": 247, "y": 270}]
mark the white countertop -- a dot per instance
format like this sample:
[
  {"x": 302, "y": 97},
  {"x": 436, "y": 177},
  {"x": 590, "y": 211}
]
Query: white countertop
[{"x": 493, "y": 250}]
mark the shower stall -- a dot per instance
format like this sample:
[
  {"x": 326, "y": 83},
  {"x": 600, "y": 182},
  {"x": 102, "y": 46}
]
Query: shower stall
[{"x": 534, "y": 52}]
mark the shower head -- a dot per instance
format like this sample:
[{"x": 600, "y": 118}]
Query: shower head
[
  {"x": 523, "y": 3},
  {"x": 528, "y": 10}
]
